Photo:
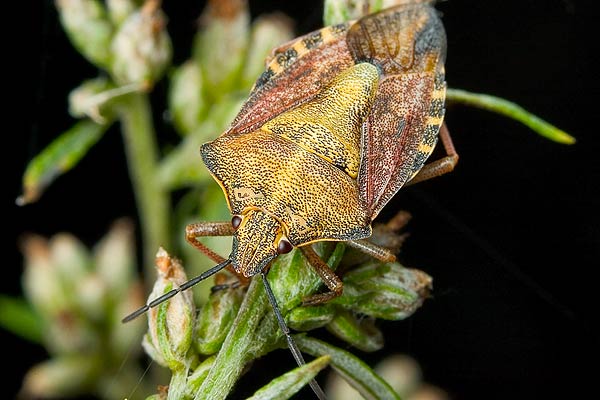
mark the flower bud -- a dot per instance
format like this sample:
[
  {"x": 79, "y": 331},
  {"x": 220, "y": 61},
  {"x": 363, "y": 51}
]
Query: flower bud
[
  {"x": 88, "y": 27},
  {"x": 220, "y": 46},
  {"x": 91, "y": 294},
  {"x": 122, "y": 335},
  {"x": 87, "y": 100},
  {"x": 268, "y": 32},
  {"x": 216, "y": 318},
  {"x": 119, "y": 10},
  {"x": 53, "y": 272},
  {"x": 141, "y": 47},
  {"x": 186, "y": 100},
  {"x": 171, "y": 324},
  {"x": 180, "y": 167},
  {"x": 339, "y": 11},
  {"x": 361, "y": 334},
  {"x": 388, "y": 291},
  {"x": 71, "y": 258},
  {"x": 114, "y": 257},
  {"x": 71, "y": 332},
  {"x": 58, "y": 378},
  {"x": 41, "y": 281},
  {"x": 310, "y": 317}
]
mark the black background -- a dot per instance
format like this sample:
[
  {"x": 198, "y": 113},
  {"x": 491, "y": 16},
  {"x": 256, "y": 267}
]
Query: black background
[{"x": 511, "y": 238}]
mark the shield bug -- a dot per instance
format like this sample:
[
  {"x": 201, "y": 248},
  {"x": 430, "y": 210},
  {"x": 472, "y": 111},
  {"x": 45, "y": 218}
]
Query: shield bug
[{"x": 340, "y": 120}]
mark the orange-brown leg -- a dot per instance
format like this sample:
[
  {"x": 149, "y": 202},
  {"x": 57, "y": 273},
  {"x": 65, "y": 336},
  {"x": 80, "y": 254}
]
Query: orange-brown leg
[
  {"x": 331, "y": 280},
  {"x": 329, "y": 277},
  {"x": 194, "y": 231},
  {"x": 202, "y": 229},
  {"x": 441, "y": 166},
  {"x": 385, "y": 240},
  {"x": 375, "y": 251}
]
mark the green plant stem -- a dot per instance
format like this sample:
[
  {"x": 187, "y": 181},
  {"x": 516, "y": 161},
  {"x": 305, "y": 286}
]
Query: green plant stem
[
  {"x": 142, "y": 156},
  {"x": 177, "y": 384},
  {"x": 234, "y": 353},
  {"x": 510, "y": 110},
  {"x": 354, "y": 371}
]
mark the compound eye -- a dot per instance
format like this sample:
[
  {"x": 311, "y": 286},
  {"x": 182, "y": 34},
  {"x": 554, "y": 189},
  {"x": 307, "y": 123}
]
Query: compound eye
[
  {"x": 284, "y": 246},
  {"x": 236, "y": 220}
]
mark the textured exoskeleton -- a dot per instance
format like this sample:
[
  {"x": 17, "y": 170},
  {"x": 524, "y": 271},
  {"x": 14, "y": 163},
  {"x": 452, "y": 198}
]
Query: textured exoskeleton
[{"x": 339, "y": 121}]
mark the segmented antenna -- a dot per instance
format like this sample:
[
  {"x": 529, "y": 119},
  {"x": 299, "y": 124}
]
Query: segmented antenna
[
  {"x": 282, "y": 325},
  {"x": 168, "y": 295},
  {"x": 290, "y": 340}
]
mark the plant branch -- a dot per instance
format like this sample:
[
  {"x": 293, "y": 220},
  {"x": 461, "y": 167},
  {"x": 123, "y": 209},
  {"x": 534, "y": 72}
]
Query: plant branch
[
  {"x": 234, "y": 353},
  {"x": 141, "y": 149},
  {"x": 510, "y": 110}
]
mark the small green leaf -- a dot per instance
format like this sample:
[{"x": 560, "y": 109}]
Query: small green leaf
[
  {"x": 292, "y": 279},
  {"x": 59, "y": 157},
  {"x": 199, "y": 375},
  {"x": 215, "y": 320},
  {"x": 220, "y": 46},
  {"x": 306, "y": 318},
  {"x": 268, "y": 32},
  {"x": 238, "y": 347},
  {"x": 88, "y": 28},
  {"x": 361, "y": 334},
  {"x": 290, "y": 383},
  {"x": 510, "y": 110},
  {"x": 358, "y": 374},
  {"x": 388, "y": 291},
  {"x": 186, "y": 100},
  {"x": 183, "y": 166},
  {"x": 19, "y": 318}
]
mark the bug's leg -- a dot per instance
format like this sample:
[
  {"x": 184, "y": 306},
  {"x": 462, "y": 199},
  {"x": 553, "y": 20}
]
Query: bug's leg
[
  {"x": 387, "y": 235},
  {"x": 383, "y": 244},
  {"x": 193, "y": 231},
  {"x": 441, "y": 166},
  {"x": 375, "y": 251},
  {"x": 331, "y": 280},
  {"x": 201, "y": 229}
]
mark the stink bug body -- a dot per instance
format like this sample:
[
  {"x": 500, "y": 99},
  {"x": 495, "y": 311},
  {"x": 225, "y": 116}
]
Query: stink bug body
[{"x": 340, "y": 120}]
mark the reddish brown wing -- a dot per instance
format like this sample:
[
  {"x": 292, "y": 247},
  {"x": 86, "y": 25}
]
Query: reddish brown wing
[
  {"x": 295, "y": 74},
  {"x": 408, "y": 44}
]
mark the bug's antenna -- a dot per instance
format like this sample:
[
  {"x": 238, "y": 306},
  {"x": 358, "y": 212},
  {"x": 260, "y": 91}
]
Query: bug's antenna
[
  {"x": 290, "y": 340},
  {"x": 173, "y": 292}
]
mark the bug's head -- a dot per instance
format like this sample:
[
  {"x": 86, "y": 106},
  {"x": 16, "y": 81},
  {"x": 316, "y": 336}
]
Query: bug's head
[{"x": 258, "y": 239}]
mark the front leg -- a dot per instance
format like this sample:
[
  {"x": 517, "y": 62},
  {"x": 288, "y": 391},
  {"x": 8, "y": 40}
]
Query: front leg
[
  {"x": 392, "y": 238},
  {"x": 203, "y": 229},
  {"x": 386, "y": 239},
  {"x": 331, "y": 280}
]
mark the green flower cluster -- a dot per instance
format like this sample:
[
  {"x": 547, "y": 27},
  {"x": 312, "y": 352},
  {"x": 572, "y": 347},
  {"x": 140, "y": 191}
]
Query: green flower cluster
[
  {"x": 237, "y": 324},
  {"x": 79, "y": 298}
]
